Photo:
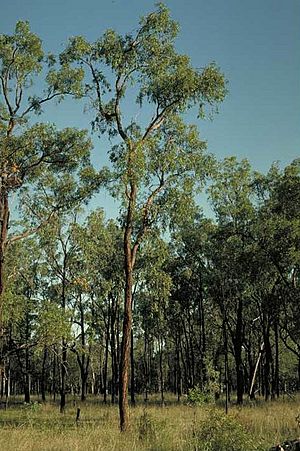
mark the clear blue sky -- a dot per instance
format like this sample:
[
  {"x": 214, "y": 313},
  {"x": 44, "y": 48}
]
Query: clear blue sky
[{"x": 255, "y": 42}]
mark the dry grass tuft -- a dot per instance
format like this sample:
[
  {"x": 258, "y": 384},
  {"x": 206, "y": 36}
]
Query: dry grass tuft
[{"x": 174, "y": 427}]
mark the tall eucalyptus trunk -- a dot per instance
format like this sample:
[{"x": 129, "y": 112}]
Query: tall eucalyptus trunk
[
  {"x": 129, "y": 260},
  {"x": 125, "y": 346}
]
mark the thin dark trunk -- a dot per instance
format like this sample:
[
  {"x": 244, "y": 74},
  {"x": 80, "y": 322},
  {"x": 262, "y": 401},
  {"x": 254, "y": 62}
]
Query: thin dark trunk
[
  {"x": 63, "y": 369},
  {"x": 83, "y": 359},
  {"x": 27, "y": 377},
  {"x": 202, "y": 338},
  {"x": 267, "y": 366},
  {"x": 63, "y": 365},
  {"x": 238, "y": 353},
  {"x": 54, "y": 374},
  {"x": 132, "y": 374},
  {"x": 8, "y": 384},
  {"x": 43, "y": 375},
  {"x": 114, "y": 363},
  {"x": 106, "y": 362},
  {"x": 188, "y": 358},
  {"x": 191, "y": 346},
  {"x": 226, "y": 375},
  {"x": 186, "y": 387},
  {"x": 2, "y": 381},
  {"x": 178, "y": 375},
  {"x": 84, "y": 378},
  {"x": 146, "y": 377},
  {"x": 162, "y": 398},
  {"x": 268, "y": 362},
  {"x": 276, "y": 373}
]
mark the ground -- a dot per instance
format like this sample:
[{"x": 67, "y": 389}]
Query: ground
[{"x": 40, "y": 427}]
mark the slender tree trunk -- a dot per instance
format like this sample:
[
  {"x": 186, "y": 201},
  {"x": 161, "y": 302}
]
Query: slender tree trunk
[
  {"x": 84, "y": 378},
  {"x": 238, "y": 353},
  {"x": 276, "y": 372},
  {"x": 162, "y": 398},
  {"x": 191, "y": 346},
  {"x": 268, "y": 363},
  {"x": 226, "y": 375},
  {"x": 63, "y": 376},
  {"x": 27, "y": 388},
  {"x": 132, "y": 373},
  {"x": 8, "y": 384},
  {"x": 178, "y": 372},
  {"x": 84, "y": 358},
  {"x": 2, "y": 382},
  {"x": 251, "y": 391},
  {"x": 54, "y": 373},
  {"x": 114, "y": 365},
  {"x": 63, "y": 366},
  {"x": 106, "y": 354},
  {"x": 202, "y": 338},
  {"x": 27, "y": 381},
  {"x": 146, "y": 377},
  {"x": 186, "y": 385},
  {"x": 43, "y": 375},
  {"x": 188, "y": 358}
]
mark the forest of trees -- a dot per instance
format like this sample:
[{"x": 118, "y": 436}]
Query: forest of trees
[{"x": 161, "y": 299}]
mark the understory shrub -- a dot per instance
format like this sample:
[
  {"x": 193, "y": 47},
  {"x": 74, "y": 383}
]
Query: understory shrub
[
  {"x": 207, "y": 394},
  {"x": 220, "y": 432}
]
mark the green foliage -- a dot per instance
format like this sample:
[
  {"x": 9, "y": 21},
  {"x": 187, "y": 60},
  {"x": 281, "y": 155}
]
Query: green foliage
[
  {"x": 21, "y": 54},
  {"x": 53, "y": 323},
  {"x": 21, "y": 59},
  {"x": 207, "y": 393},
  {"x": 222, "y": 433},
  {"x": 198, "y": 396},
  {"x": 231, "y": 192},
  {"x": 36, "y": 158},
  {"x": 161, "y": 163}
]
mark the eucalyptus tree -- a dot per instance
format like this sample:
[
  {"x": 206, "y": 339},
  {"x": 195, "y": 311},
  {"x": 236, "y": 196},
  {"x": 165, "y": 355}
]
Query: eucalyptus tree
[
  {"x": 158, "y": 160},
  {"x": 231, "y": 194},
  {"x": 28, "y": 148},
  {"x": 59, "y": 256},
  {"x": 20, "y": 316},
  {"x": 151, "y": 297},
  {"x": 63, "y": 198},
  {"x": 189, "y": 271},
  {"x": 277, "y": 237},
  {"x": 98, "y": 282}
]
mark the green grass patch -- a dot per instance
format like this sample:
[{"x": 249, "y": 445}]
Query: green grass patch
[{"x": 256, "y": 426}]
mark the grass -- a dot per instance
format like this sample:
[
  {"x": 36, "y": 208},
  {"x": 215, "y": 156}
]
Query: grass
[{"x": 40, "y": 427}]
